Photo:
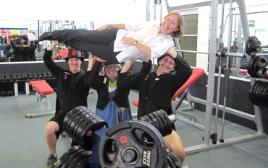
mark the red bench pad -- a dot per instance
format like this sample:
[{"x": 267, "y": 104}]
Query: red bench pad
[
  {"x": 41, "y": 87},
  {"x": 196, "y": 74}
]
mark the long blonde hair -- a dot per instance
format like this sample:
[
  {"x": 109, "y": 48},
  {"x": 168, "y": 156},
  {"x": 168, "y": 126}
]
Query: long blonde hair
[{"x": 180, "y": 31}]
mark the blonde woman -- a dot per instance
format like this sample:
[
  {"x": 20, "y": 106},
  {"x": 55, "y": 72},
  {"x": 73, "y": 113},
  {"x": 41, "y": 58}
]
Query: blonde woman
[{"x": 123, "y": 42}]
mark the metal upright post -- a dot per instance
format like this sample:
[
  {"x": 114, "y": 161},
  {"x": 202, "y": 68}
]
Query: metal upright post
[
  {"x": 244, "y": 23},
  {"x": 27, "y": 89},
  {"x": 219, "y": 48},
  {"x": 244, "y": 19},
  {"x": 167, "y": 5},
  {"x": 148, "y": 10},
  {"x": 38, "y": 34},
  {"x": 227, "y": 71},
  {"x": 212, "y": 64},
  {"x": 16, "y": 90}
]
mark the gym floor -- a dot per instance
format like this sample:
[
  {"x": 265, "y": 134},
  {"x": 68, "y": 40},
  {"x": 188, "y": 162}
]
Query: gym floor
[{"x": 23, "y": 143}]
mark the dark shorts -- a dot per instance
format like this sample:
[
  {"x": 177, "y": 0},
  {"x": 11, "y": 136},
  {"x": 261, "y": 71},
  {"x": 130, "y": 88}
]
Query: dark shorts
[{"x": 58, "y": 118}]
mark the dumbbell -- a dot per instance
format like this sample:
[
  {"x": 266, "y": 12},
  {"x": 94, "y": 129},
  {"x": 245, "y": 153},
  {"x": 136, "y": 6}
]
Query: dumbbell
[
  {"x": 46, "y": 76},
  {"x": 40, "y": 75},
  {"x": 24, "y": 76},
  {"x": 3, "y": 93},
  {"x": 19, "y": 76},
  {"x": 50, "y": 75},
  {"x": 10, "y": 93},
  {"x": 30, "y": 75},
  {"x": 7, "y": 77},
  {"x": 2, "y": 78},
  {"x": 14, "y": 77},
  {"x": 35, "y": 76}
]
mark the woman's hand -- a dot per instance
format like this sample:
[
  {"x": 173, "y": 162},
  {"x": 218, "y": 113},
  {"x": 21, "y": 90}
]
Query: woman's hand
[
  {"x": 104, "y": 27},
  {"x": 129, "y": 40}
]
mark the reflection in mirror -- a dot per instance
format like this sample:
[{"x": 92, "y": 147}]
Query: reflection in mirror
[{"x": 19, "y": 43}]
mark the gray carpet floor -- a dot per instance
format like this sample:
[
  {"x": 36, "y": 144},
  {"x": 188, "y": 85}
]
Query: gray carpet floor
[{"x": 22, "y": 142}]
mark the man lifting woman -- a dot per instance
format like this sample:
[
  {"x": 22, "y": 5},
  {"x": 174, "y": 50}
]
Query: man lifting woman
[
  {"x": 118, "y": 43},
  {"x": 124, "y": 42}
]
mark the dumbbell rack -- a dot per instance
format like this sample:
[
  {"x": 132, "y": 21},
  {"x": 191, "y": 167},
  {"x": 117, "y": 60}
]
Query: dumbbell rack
[{"x": 15, "y": 72}]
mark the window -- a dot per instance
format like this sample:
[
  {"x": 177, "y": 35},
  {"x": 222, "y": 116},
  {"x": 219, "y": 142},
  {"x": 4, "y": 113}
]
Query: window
[{"x": 189, "y": 39}]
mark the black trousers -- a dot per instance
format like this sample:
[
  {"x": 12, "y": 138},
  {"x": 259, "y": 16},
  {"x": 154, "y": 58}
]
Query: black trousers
[{"x": 100, "y": 43}]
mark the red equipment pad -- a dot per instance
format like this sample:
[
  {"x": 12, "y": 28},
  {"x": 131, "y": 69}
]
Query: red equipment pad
[
  {"x": 41, "y": 87},
  {"x": 196, "y": 74},
  {"x": 63, "y": 53}
]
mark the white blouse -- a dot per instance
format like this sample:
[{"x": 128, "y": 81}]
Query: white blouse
[{"x": 146, "y": 33}]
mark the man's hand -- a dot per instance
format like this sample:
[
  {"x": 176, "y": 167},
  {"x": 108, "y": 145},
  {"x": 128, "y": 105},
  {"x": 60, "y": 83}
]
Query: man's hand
[
  {"x": 100, "y": 59},
  {"x": 92, "y": 56},
  {"x": 53, "y": 45},
  {"x": 172, "y": 52},
  {"x": 126, "y": 66}
]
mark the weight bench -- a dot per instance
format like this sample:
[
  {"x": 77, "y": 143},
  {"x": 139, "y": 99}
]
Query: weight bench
[
  {"x": 43, "y": 90},
  {"x": 181, "y": 93}
]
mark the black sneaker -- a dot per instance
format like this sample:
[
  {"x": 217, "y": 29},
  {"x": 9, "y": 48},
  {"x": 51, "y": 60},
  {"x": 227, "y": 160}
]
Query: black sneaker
[{"x": 51, "y": 161}]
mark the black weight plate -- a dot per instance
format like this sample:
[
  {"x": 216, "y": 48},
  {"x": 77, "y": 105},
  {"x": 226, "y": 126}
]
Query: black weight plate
[
  {"x": 262, "y": 99},
  {"x": 161, "y": 123},
  {"x": 67, "y": 118},
  {"x": 84, "y": 163},
  {"x": 82, "y": 121},
  {"x": 257, "y": 92},
  {"x": 175, "y": 159},
  {"x": 83, "y": 136},
  {"x": 67, "y": 154},
  {"x": 252, "y": 93},
  {"x": 78, "y": 158},
  {"x": 131, "y": 151},
  {"x": 71, "y": 122},
  {"x": 77, "y": 130},
  {"x": 94, "y": 124},
  {"x": 68, "y": 161},
  {"x": 252, "y": 66},
  {"x": 83, "y": 128},
  {"x": 155, "y": 121},
  {"x": 146, "y": 119},
  {"x": 167, "y": 122},
  {"x": 74, "y": 158},
  {"x": 80, "y": 118},
  {"x": 74, "y": 131},
  {"x": 75, "y": 121},
  {"x": 169, "y": 163}
]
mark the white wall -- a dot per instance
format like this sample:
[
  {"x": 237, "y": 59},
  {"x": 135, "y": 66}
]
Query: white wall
[{"x": 17, "y": 13}]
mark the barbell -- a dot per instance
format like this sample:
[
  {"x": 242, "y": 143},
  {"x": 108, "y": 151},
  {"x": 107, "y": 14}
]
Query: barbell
[
  {"x": 126, "y": 144},
  {"x": 257, "y": 67}
]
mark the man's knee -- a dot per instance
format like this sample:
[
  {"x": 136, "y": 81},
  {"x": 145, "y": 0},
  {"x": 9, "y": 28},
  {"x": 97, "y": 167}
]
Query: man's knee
[
  {"x": 175, "y": 144},
  {"x": 51, "y": 128}
]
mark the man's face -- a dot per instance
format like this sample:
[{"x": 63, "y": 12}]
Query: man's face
[
  {"x": 74, "y": 64},
  {"x": 111, "y": 71},
  {"x": 166, "y": 65}
]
